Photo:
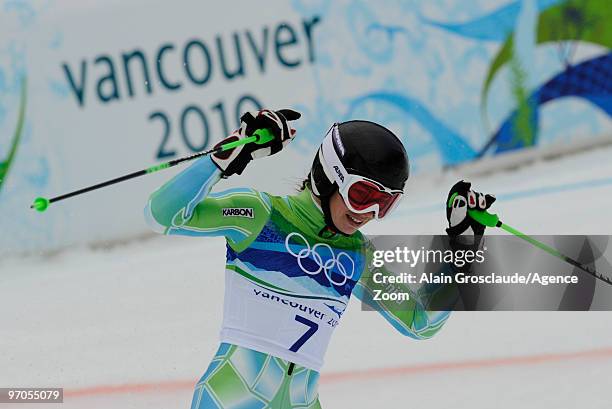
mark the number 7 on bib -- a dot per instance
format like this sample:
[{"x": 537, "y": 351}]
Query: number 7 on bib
[{"x": 312, "y": 328}]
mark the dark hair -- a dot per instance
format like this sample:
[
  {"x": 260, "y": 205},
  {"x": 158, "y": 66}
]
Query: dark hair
[{"x": 304, "y": 184}]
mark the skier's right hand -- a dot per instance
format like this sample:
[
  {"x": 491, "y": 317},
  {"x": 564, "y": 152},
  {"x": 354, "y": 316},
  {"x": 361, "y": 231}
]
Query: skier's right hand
[{"x": 234, "y": 161}]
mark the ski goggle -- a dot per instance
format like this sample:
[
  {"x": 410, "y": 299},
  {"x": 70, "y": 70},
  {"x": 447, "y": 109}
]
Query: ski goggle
[
  {"x": 362, "y": 195},
  {"x": 359, "y": 193}
]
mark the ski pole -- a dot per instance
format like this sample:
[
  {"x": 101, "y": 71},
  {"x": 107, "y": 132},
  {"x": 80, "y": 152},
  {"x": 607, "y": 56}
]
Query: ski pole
[
  {"x": 259, "y": 137},
  {"x": 492, "y": 220}
]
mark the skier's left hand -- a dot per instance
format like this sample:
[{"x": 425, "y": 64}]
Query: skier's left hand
[
  {"x": 235, "y": 160},
  {"x": 460, "y": 199}
]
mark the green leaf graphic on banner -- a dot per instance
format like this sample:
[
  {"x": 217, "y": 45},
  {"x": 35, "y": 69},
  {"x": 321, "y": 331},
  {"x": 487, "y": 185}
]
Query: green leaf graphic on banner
[
  {"x": 5, "y": 165},
  {"x": 573, "y": 20}
]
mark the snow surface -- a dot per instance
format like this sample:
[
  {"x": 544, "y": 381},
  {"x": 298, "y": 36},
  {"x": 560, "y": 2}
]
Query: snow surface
[{"x": 148, "y": 313}]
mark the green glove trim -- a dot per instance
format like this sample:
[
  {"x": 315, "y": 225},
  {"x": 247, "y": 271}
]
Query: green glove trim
[{"x": 485, "y": 218}]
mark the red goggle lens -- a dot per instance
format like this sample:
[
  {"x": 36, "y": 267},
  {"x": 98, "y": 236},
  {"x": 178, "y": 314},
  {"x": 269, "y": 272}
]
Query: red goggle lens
[{"x": 363, "y": 194}]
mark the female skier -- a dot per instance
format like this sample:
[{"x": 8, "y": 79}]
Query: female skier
[{"x": 294, "y": 261}]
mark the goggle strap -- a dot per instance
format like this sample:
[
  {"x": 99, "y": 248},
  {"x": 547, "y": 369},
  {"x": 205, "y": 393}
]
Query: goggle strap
[
  {"x": 332, "y": 163},
  {"x": 325, "y": 166}
]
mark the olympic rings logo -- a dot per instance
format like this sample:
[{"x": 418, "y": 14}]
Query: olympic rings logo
[{"x": 334, "y": 261}]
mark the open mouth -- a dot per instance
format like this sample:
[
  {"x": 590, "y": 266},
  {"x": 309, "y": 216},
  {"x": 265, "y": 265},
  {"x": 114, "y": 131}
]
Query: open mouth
[{"x": 355, "y": 220}]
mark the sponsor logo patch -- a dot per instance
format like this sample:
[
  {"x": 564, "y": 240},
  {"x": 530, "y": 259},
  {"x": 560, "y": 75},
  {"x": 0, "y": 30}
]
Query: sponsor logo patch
[
  {"x": 339, "y": 173},
  {"x": 339, "y": 144},
  {"x": 238, "y": 212}
]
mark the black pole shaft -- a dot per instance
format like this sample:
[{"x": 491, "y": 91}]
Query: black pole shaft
[
  {"x": 587, "y": 269},
  {"x": 98, "y": 186},
  {"x": 132, "y": 175}
]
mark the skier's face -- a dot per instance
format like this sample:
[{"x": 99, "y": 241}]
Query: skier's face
[{"x": 346, "y": 221}]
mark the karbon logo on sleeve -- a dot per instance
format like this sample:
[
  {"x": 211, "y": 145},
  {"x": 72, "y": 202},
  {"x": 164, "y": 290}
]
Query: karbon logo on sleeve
[{"x": 238, "y": 212}]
